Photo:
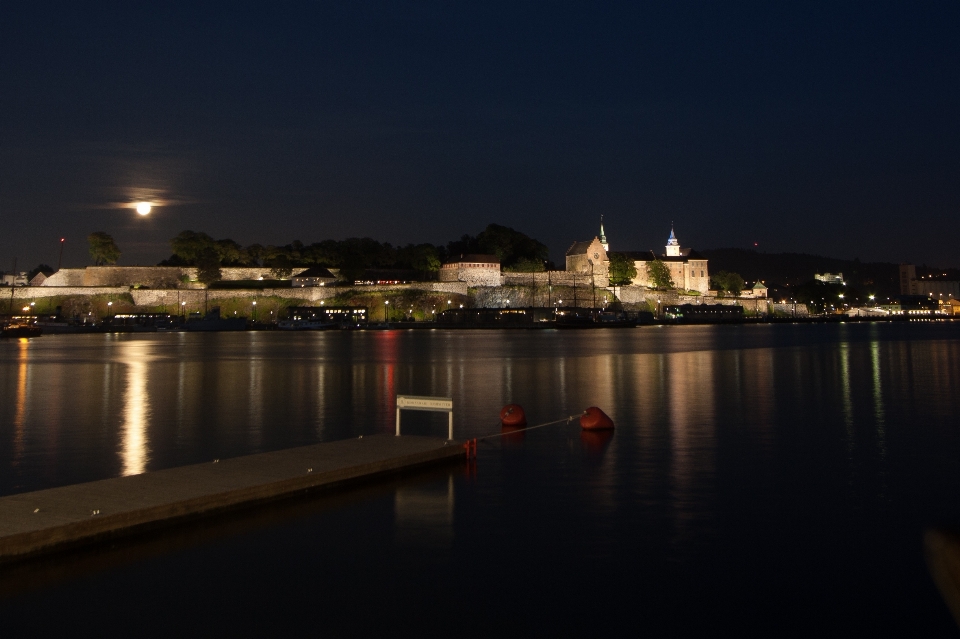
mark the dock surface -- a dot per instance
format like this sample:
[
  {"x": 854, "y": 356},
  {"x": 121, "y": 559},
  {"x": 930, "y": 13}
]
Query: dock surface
[{"x": 47, "y": 520}]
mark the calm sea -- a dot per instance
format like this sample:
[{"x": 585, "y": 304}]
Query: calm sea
[{"x": 762, "y": 481}]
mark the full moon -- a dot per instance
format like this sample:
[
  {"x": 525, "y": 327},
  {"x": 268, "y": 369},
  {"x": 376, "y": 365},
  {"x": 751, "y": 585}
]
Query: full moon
[{"x": 143, "y": 208}]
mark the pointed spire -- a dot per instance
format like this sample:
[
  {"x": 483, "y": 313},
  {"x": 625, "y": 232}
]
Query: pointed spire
[
  {"x": 673, "y": 245},
  {"x": 603, "y": 237}
]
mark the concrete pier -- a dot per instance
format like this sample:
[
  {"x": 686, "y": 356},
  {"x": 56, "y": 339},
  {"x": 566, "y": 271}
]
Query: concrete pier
[{"x": 48, "y": 520}]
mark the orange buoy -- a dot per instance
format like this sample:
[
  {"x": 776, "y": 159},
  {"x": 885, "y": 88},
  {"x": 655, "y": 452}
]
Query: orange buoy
[
  {"x": 595, "y": 419},
  {"x": 513, "y": 415}
]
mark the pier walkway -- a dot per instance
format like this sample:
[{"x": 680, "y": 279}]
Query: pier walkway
[{"x": 47, "y": 520}]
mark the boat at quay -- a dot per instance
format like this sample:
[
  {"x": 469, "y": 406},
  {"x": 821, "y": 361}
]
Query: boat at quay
[{"x": 20, "y": 330}]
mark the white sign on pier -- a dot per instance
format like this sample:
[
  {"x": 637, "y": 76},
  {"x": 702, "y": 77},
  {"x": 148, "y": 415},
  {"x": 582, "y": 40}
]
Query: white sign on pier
[{"x": 435, "y": 404}]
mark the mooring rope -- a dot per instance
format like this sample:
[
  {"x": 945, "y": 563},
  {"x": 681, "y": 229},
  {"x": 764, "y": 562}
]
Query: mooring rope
[{"x": 520, "y": 430}]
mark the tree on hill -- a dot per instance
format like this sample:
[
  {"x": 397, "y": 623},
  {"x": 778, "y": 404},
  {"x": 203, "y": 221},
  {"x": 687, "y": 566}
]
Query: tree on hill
[
  {"x": 659, "y": 273},
  {"x": 252, "y": 255},
  {"x": 728, "y": 282},
  {"x": 424, "y": 258},
  {"x": 281, "y": 267},
  {"x": 622, "y": 269},
  {"x": 188, "y": 245},
  {"x": 103, "y": 249},
  {"x": 526, "y": 265},
  {"x": 229, "y": 252},
  {"x": 509, "y": 245},
  {"x": 208, "y": 266}
]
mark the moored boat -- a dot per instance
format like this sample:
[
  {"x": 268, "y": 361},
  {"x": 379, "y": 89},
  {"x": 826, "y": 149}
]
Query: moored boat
[{"x": 21, "y": 330}]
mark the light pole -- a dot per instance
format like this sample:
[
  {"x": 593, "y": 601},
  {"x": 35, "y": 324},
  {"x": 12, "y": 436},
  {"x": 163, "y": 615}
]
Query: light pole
[
  {"x": 385, "y": 303},
  {"x": 254, "y": 310},
  {"x": 60, "y": 259}
]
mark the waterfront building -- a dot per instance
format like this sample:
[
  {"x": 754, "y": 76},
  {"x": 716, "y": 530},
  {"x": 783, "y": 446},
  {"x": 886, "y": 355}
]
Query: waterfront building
[
  {"x": 590, "y": 258},
  {"x": 933, "y": 288},
  {"x": 688, "y": 269},
  {"x": 757, "y": 291},
  {"x": 313, "y": 276},
  {"x": 475, "y": 270}
]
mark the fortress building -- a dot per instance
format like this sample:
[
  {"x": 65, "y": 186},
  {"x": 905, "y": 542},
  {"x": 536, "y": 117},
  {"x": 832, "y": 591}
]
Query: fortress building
[
  {"x": 590, "y": 259},
  {"x": 688, "y": 269},
  {"x": 475, "y": 270}
]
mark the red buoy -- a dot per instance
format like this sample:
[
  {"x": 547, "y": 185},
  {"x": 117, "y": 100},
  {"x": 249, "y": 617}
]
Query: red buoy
[
  {"x": 513, "y": 415},
  {"x": 595, "y": 419}
]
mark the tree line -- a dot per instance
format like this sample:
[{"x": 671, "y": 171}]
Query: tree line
[{"x": 515, "y": 250}]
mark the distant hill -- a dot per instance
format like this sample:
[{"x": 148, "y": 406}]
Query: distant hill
[{"x": 792, "y": 269}]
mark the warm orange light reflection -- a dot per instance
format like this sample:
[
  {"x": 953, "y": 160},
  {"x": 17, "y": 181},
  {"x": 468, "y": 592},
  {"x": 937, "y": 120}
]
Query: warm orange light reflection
[
  {"x": 19, "y": 417},
  {"x": 136, "y": 408}
]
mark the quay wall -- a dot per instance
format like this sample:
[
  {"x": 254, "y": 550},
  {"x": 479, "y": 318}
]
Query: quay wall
[
  {"x": 149, "y": 297},
  {"x": 306, "y": 294}
]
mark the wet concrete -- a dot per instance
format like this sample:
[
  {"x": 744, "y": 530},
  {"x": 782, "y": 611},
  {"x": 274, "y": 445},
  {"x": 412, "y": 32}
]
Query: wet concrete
[{"x": 48, "y": 520}]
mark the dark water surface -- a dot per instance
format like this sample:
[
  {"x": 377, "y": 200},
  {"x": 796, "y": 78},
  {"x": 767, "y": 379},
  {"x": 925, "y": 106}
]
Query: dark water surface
[{"x": 762, "y": 480}]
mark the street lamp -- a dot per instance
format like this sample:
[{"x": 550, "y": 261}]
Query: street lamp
[
  {"x": 385, "y": 302},
  {"x": 254, "y": 310}
]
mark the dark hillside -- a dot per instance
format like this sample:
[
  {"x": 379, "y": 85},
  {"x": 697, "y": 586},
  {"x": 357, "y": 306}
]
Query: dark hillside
[{"x": 792, "y": 269}]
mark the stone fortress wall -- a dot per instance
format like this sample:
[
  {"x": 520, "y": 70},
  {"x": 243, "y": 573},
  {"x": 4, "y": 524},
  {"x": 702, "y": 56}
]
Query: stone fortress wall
[
  {"x": 150, "y": 276},
  {"x": 551, "y": 278},
  {"x": 164, "y": 286},
  {"x": 472, "y": 277}
]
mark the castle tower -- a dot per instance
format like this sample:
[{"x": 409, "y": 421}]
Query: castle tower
[
  {"x": 673, "y": 246},
  {"x": 603, "y": 238}
]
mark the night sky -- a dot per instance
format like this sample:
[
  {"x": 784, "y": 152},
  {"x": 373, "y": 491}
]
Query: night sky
[{"x": 829, "y": 128}]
